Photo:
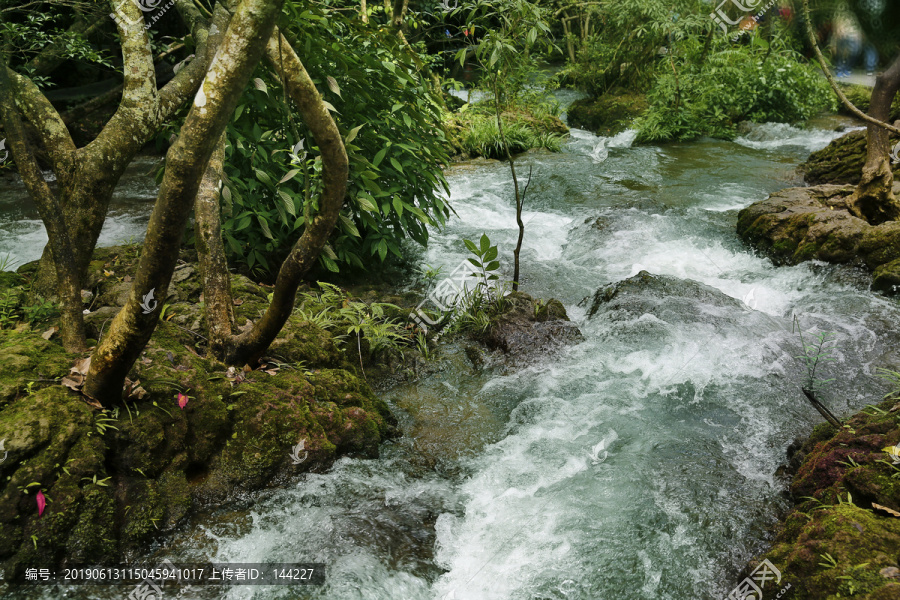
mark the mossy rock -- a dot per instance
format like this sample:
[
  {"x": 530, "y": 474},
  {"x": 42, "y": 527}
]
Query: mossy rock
[
  {"x": 117, "y": 480},
  {"x": 26, "y": 357},
  {"x": 52, "y": 441},
  {"x": 609, "y": 114},
  {"x": 836, "y": 543},
  {"x": 329, "y": 411},
  {"x": 840, "y": 162},
  {"x": 886, "y": 278}
]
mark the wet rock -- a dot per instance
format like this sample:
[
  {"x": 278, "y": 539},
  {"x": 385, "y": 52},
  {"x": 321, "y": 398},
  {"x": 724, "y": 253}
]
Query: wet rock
[
  {"x": 671, "y": 299},
  {"x": 843, "y": 475},
  {"x": 530, "y": 326},
  {"x": 609, "y": 114},
  {"x": 800, "y": 224}
]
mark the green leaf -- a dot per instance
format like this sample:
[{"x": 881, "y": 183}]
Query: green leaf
[
  {"x": 491, "y": 254},
  {"x": 290, "y": 175},
  {"x": 379, "y": 156},
  {"x": 352, "y": 135},
  {"x": 366, "y": 204},
  {"x": 265, "y": 227},
  {"x": 350, "y": 226},
  {"x": 472, "y": 247},
  {"x": 382, "y": 250},
  {"x": 485, "y": 243},
  {"x": 396, "y": 164},
  {"x": 492, "y": 266},
  {"x": 398, "y": 205},
  {"x": 329, "y": 264},
  {"x": 288, "y": 203},
  {"x": 333, "y": 85},
  {"x": 263, "y": 176}
]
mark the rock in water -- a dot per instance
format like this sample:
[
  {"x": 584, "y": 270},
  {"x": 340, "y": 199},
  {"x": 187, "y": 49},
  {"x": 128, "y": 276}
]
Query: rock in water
[
  {"x": 530, "y": 327},
  {"x": 800, "y": 224}
]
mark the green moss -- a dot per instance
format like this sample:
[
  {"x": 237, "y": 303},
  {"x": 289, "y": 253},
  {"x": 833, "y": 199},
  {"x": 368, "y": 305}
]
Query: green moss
[
  {"x": 28, "y": 357},
  {"x": 609, "y": 114}
]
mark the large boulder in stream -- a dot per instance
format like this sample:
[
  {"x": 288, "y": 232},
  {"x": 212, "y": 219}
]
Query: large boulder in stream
[
  {"x": 799, "y": 224},
  {"x": 670, "y": 299}
]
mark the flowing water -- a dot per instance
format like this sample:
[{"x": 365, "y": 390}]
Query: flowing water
[
  {"x": 637, "y": 464},
  {"x": 22, "y": 234}
]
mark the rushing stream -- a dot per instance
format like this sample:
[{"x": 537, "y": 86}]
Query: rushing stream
[{"x": 638, "y": 464}]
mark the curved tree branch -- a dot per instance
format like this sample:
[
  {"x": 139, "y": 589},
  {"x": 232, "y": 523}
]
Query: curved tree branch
[
  {"x": 249, "y": 346},
  {"x": 68, "y": 283}
]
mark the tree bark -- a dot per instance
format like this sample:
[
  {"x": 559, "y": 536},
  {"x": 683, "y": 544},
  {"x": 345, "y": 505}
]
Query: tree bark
[
  {"x": 186, "y": 163},
  {"x": 68, "y": 284},
  {"x": 519, "y": 198},
  {"x": 874, "y": 198},
  {"x": 211, "y": 255},
  {"x": 249, "y": 346},
  {"x": 88, "y": 176}
]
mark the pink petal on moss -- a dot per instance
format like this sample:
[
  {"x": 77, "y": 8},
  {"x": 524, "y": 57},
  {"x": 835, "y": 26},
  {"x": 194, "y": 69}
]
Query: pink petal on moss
[
  {"x": 182, "y": 401},
  {"x": 41, "y": 502}
]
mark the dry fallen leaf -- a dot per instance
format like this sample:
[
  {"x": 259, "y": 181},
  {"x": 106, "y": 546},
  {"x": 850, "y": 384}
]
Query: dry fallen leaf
[
  {"x": 127, "y": 279},
  {"x": 238, "y": 301},
  {"x": 49, "y": 333},
  {"x": 72, "y": 383},
  {"x": 82, "y": 366},
  {"x": 272, "y": 371},
  {"x": 889, "y": 511},
  {"x": 108, "y": 273}
]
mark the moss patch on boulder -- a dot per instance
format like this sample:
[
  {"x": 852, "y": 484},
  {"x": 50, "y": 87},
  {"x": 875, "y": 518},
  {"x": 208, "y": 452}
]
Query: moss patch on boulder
[
  {"x": 836, "y": 543},
  {"x": 115, "y": 480},
  {"x": 609, "y": 114},
  {"x": 840, "y": 162}
]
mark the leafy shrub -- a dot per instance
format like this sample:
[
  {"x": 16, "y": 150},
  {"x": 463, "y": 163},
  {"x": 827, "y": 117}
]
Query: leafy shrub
[
  {"x": 761, "y": 81},
  {"x": 391, "y": 121}
]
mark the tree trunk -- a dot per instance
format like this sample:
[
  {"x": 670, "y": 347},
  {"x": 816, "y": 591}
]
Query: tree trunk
[
  {"x": 211, "y": 255},
  {"x": 68, "y": 285},
  {"x": 186, "y": 163},
  {"x": 874, "y": 198},
  {"x": 249, "y": 346},
  {"x": 88, "y": 176},
  {"x": 519, "y": 198}
]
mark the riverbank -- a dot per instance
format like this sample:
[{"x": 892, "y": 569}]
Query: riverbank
[{"x": 842, "y": 537}]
